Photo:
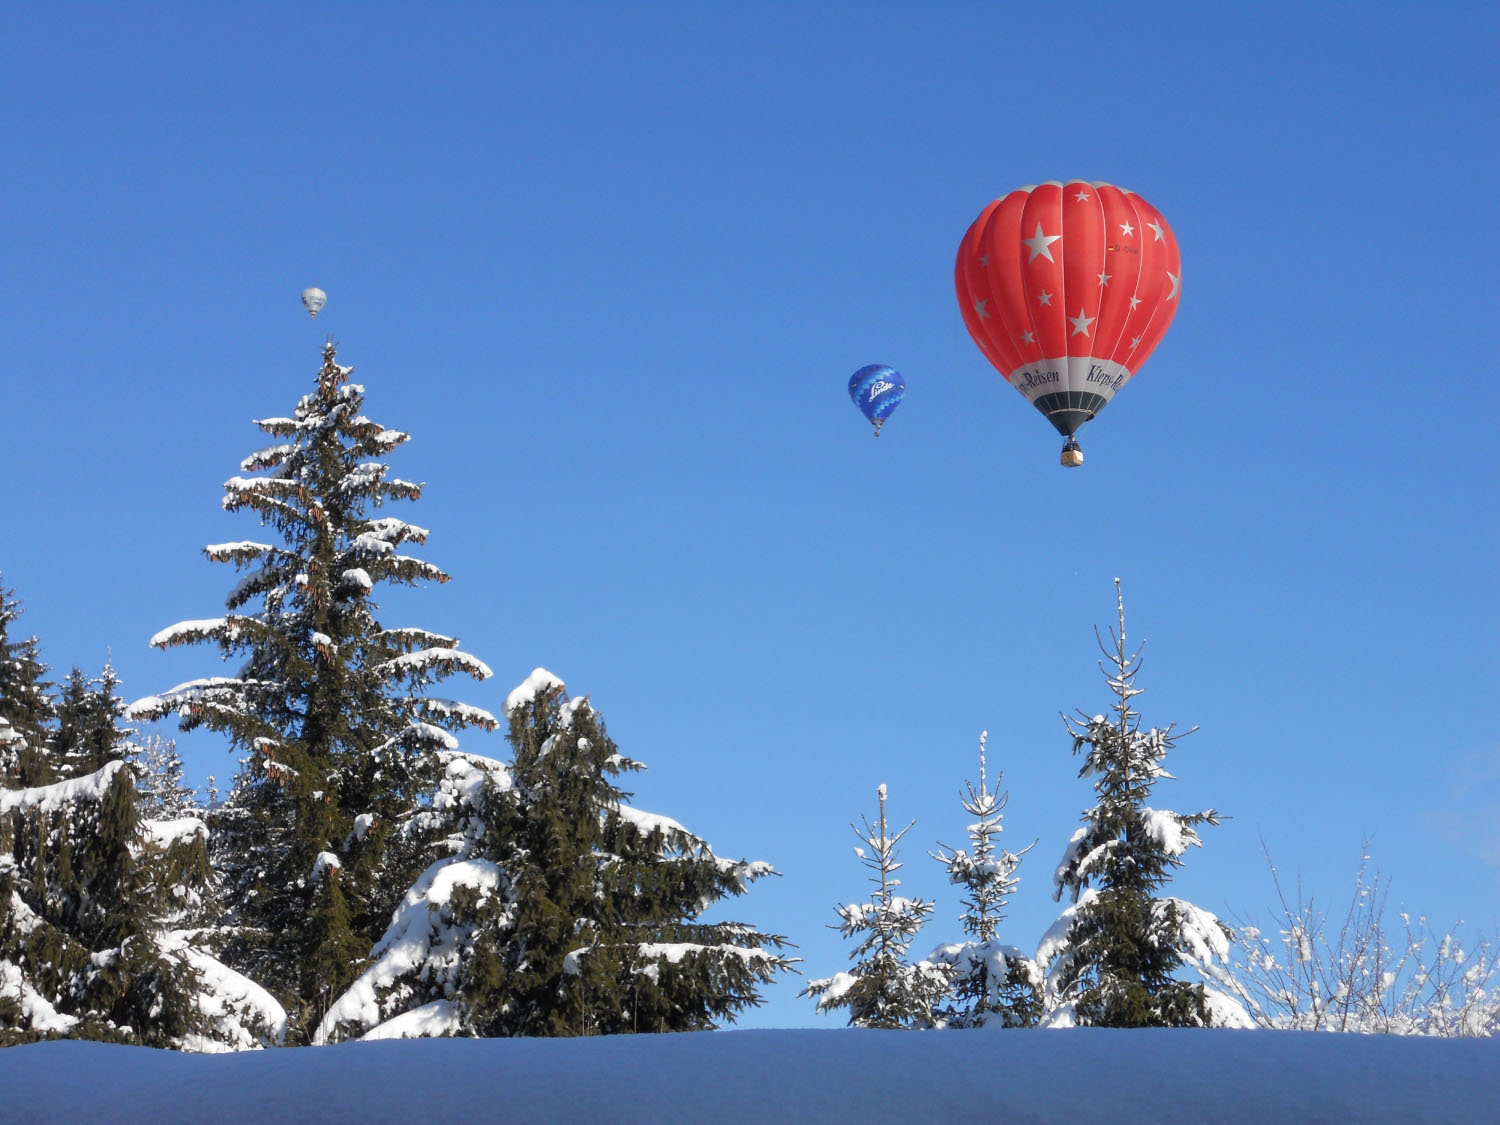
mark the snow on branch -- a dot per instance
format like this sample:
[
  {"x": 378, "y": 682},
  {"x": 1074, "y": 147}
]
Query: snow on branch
[
  {"x": 1196, "y": 932},
  {"x": 401, "y": 489},
  {"x": 267, "y": 458},
  {"x": 539, "y": 682},
  {"x": 457, "y": 714},
  {"x": 285, "y": 427},
  {"x": 646, "y": 823},
  {"x": 420, "y": 736},
  {"x": 265, "y": 504},
  {"x": 325, "y": 862},
  {"x": 50, "y": 798},
  {"x": 651, "y": 956},
  {"x": 396, "y": 531},
  {"x": 370, "y": 543},
  {"x": 244, "y": 1014},
  {"x": 37, "y": 1013},
  {"x": 274, "y": 487},
  {"x": 743, "y": 872},
  {"x": 214, "y": 689},
  {"x": 1054, "y": 952},
  {"x": 165, "y": 833},
  {"x": 226, "y": 629},
  {"x": 355, "y": 580},
  {"x": 430, "y": 1021},
  {"x": 436, "y": 662},
  {"x": 407, "y": 569},
  {"x": 409, "y": 638},
  {"x": 388, "y": 439},
  {"x": 1170, "y": 830},
  {"x": 422, "y": 938},
  {"x": 363, "y": 477},
  {"x": 240, "y": 552}
]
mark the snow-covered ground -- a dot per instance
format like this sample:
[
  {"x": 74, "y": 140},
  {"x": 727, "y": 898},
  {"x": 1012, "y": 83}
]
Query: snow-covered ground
[{"x": 781, "y": 1076}]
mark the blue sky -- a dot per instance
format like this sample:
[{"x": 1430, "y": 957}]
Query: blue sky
[{"x": 612, "y": 266}]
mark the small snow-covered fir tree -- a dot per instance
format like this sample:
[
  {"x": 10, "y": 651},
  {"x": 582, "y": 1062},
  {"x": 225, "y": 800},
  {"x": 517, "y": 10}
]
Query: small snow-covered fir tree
[
  {"x": 884, "y": 989},
  {"x": 563, "y": 910},
  {"x": 993, "y": 984},
  {"x": 329, "y": 708},
  {"x": 26, "y": 705},
  {"x": 1113, "y": 955},
  {"x": 159, "y": 782},
  {"x": 89, "y": 891},
  {"x": 87, "y": 736}
]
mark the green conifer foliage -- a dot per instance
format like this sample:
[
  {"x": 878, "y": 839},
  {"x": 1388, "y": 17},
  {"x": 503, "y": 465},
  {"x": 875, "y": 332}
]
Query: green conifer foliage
[
  {"x": 993, "y": 984},
  {"x": 329, "y": 708},
  {"x": 884, "y": 989},
  {"x": 563, "y": 910},
  {"x": 159, "y": 778},
  {"x": 88, "y": 899},
  {"x": 87, "y": 736},
  {"x": 1114, "y": 954},
  {"x": 605, "y": 930}
]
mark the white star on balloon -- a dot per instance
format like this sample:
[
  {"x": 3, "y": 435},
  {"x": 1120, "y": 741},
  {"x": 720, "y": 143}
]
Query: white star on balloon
[
  {"x": 1029, "y": 338},
  {"x": 1104, "y": 279},
  {"x": 1044, "y": 297},
  {"x": 1156, "y": 226},
  {"x": 1127, "y": 230},
  {"x": 1134, "y": 301},
  {"x": 1081, "y": 322},
  {"x": 981, "y": 310},
  {"x": 1135, "y": 343},
  {"x": 1082, "y": 196},
  {"x": 984, "y": 261},
  {"x": 1176, "y": 281},
  {"x": 1040, "y": 243}
]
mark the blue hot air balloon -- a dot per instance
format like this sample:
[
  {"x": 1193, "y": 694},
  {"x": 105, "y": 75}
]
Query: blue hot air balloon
[{"x": 877, "y": 390}]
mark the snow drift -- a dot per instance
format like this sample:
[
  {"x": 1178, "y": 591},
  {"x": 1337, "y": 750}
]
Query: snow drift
[{"x": 800, "y": 1075}]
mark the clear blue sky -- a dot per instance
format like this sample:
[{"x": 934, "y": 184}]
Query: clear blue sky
[{"x": 612, "y": 266}]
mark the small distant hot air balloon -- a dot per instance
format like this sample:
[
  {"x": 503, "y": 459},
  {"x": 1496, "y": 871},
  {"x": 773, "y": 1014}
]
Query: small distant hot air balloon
[
  {"x": 877, "y": 390},
  {"x": 1067, "y": 288},
  {"x": 314, "y": 299}
]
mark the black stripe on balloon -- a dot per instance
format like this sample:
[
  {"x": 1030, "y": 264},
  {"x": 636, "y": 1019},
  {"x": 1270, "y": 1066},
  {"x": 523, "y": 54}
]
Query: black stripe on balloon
[{"x": 1067, "y": 410}]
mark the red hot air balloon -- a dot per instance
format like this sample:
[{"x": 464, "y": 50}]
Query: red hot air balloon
[{"x": 1067, "y": 288}]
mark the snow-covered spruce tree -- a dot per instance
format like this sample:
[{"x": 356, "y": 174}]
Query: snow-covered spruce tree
[
  {"x": 88, "y": 735},
  {"x": 89, "y": 890},
  {"x": 328, "y": 708},
  {"x": 1112, "y": 956},
  {"x": 26, "y": 706},
  {"x": 563, "y": 910},
  {"x": 159, "y": 779},
  {"x": 883, "y": 989},
  {"x": 993, "y": 984}
]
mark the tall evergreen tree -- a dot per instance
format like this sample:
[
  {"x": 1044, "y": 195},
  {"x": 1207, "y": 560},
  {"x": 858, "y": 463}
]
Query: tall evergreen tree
[
  {"x": 329, "y": 708},
  {"x": 1113, "y": 955},
  {"x": 884, "y": 989},
  {"x": 993, "y": 983},
  {"x": 564, "y": 910}
]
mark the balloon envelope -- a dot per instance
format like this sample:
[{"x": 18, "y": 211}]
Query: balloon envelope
[
  {"x": 313, "y": 300},
  {"x": 1067, "y": 288},
  {"x": 877, "y": 390}
]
